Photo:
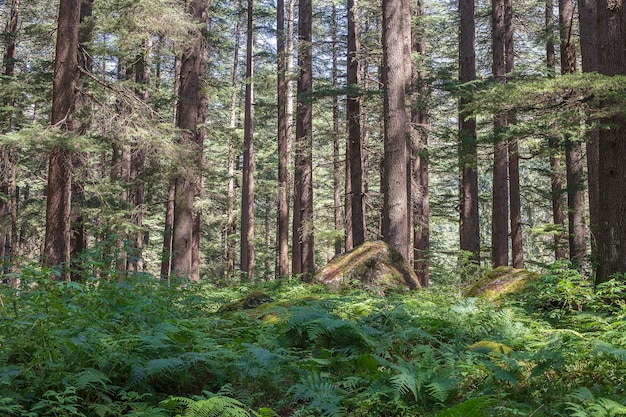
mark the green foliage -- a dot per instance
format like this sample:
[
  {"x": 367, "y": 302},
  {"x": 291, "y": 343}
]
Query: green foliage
[{"x": 141, "y": 348}]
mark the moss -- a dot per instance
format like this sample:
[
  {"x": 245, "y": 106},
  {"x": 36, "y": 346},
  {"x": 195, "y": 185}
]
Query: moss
[
  {"x": 252, "y": 300},
  {"x": 501, "y": 281},
  {"x": 489, "y": 346}
]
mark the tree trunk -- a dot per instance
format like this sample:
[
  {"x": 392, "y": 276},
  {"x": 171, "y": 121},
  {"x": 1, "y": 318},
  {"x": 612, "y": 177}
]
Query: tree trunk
[
  {"x": 499, "y": 215},
  {"x": 64, "y": 92},
  {"x": 247, "y": 191},
  {"x": 230, "y": 213},
  {"x": 337, "y": 206},
  {"x": 611, "y": 238},
  {"x": 166, "y": 258},
  {"x": 303, "y": 246},
  {"x": 354, "y": 119},
  {"x": 556, "y": 173},
  {"x": 587, "y": 19},
  {"x": 395, "y": 220},
  {"x": 573, "y": 149},
  {"x": 191, "y": 117},
  {"x": 284, "y": 145},
  {"x": 469, "y": 222}
]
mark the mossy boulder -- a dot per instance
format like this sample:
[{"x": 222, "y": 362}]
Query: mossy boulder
[
  {"x": 250, "y": 301},
  {"x": 374, "y": 266},
  {"x": 502, "y": 281}
]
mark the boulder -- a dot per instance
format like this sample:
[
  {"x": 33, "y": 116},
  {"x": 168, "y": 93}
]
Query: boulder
[
  {"x": 501, "y": 281},
  {"x": 374, "y": 266}
]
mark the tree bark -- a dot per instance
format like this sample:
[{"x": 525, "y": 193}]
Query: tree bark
[
  {"x": 419, "y": 120},
  {"x": 611, "y": 238},
  {"x": 303, "y": 242},
  {"x": 64, "y": 91},
  {"x": 247, "y": 191},
  {"x": 284, "y": 145},
  {"x": 337, "y": 203},
  {"x": 354, "y": 119},
  {"x": 232, "y": 140},
  {"x": 191, "y": 117},
  {"x": 587, "y": 20},
  {"x": 395, "y": 219},
  {"x": 469, "y": 222},
  {"x": 573, "y": 149},
  {"x": 499, "y": 215}
]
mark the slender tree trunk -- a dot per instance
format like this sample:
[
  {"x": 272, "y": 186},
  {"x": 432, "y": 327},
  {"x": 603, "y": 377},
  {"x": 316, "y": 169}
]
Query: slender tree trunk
[
  {"x": 573, "y": 149},
  {"x": 64, "y": 91},
  {"x": 419, "y": 120},
  {"x": 469, "y": 222},
  {"x": 230, "y": 214},
  {"x": 269, "y": 204},
  {"x": 354, "y": 118},
  {"x": 611, "y": 237},
  {"x": 395, "y": 220},
  {"x": 337, "y": 206},
  {"x": 587, "y": 19},
  {"x": 556, "y": 171},
  {"x": 303, "y": 246},
  {"x": 517, "y": 247},
  {"x": 499, "y": 216},
  {"x": 191, "y": 117},
  {"x": 247, "y": 192},
  {"x": 166, "y": 260},
  {"x": 284, "y": 145}
]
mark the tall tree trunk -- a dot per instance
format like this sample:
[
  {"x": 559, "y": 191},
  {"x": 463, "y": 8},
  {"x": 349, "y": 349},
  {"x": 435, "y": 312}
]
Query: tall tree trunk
[
  {"x": 499, "y": 216},
  {"x": 166, "y": 258},
  {"x": 419, "y": 120},
  {"x": 611, "y": 238},
  {"x": 337, "y": 206},
  {"x": 555, "y": 151},
  {"x": 8, "y": 157},
  {"x": 64, "y": 91},
  {"x": 354, "y": 118},
  {"x": 469, "y": 222},
  {"x": 395, "y": 220},
  {"x": 573, "y": 149},
  {"x": 191, "y": 117},
  {"x": 232, "y": 140},
  {"x": 517, "y": 247},
  {"x": 587, "y": 19},
  {"x": 247, "y": 192},
  {"x": 284, "y": 144},
  {"x": 303, "y": 242}
]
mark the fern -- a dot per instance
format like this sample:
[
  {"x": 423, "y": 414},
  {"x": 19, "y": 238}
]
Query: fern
[
  {"x": 320, "y": 393},
  {"x": 474, "y": 407},
  {"x": 216, "y": 406},
  {"x": 590, "y": 406}
]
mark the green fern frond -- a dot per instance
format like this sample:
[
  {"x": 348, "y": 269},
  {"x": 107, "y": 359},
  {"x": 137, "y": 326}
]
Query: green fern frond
[
  {"x": 474, "y": 407},
  {"x": 89, "y": 379},
  {"x": 216, "y": 406},
  {"x": 441, "y": 389}
]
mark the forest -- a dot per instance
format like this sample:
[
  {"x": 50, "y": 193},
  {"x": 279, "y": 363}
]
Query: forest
[{"x": 178, "y": 177}]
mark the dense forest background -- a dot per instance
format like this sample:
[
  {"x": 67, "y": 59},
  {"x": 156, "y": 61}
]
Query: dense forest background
[{"x": 137, "y": 125}]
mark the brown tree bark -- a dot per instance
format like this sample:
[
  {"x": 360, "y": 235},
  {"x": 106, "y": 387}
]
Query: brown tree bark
[
  {"x": 587, "y": 20},
  {"x": 354, "y": 119},
  {"x": 230, "y": 211},
  {"x": 337, "y": 203},
  {"x": 500, "y": 197},
  {"x": 395, "y": 218},
  {"x": 574, "y": 163},
  {"x": 284, "y": 144},
  {"x": 611, "y": 237},
  {"x": 469, "y": 222},
  {"x": 556, "y": 174},
  {"x": 166, "y": 258},
  {"x": 303, "y": 242},
  {"x": 419, "y": 120},
  {"x": 247, "y": 191},
  {"x": 517, "y": 247},
  {"x": 64, "y": 90},
  {"x": 191, "y": 117}
]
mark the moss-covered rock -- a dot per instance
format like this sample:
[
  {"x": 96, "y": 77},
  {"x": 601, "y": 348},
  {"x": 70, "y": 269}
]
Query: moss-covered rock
[
  {"x": 501, "y": 281},
  {"x": 250, "y": 301},
  {"x": 489, "y": 346},
  {"x": 374, "y": 266}
]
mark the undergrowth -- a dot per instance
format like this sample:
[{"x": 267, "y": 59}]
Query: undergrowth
[{"x": 143, "y": 348}]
